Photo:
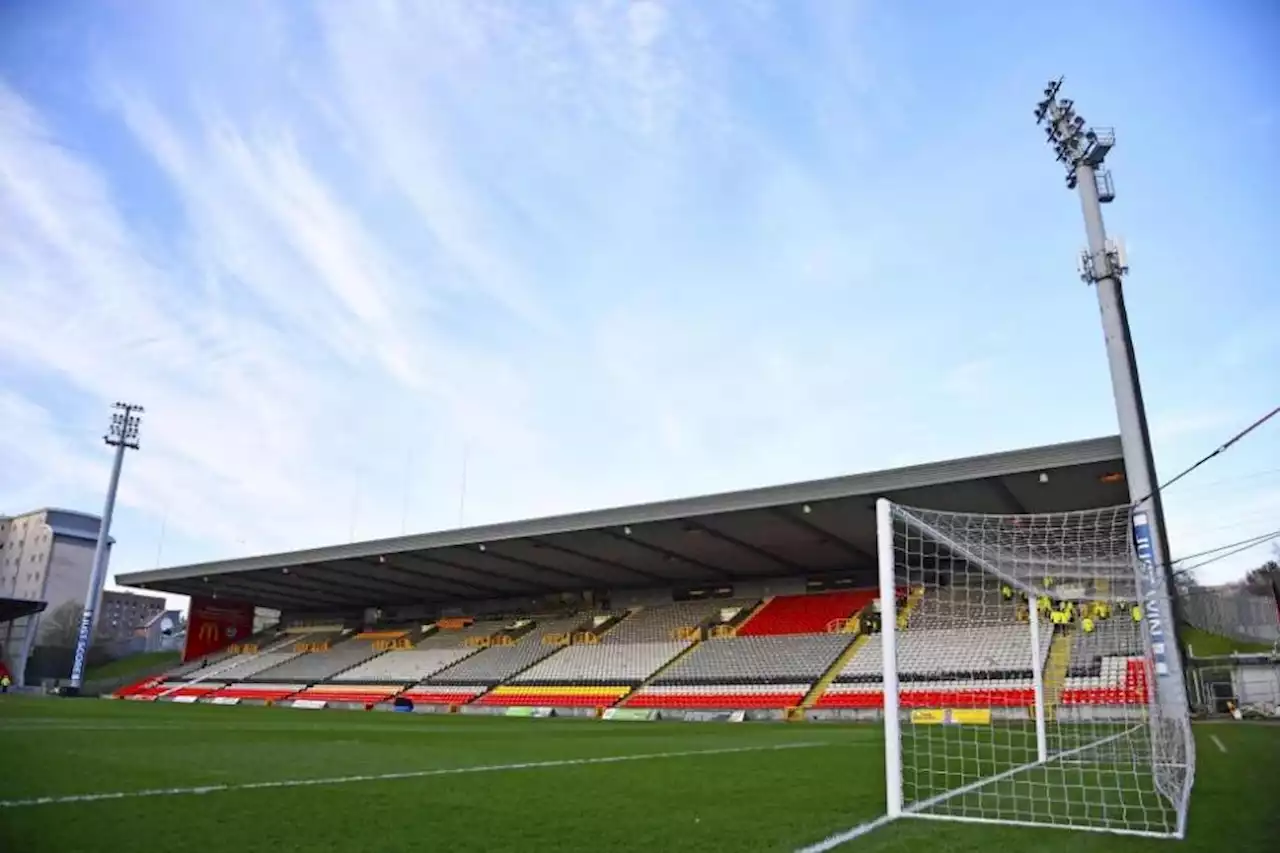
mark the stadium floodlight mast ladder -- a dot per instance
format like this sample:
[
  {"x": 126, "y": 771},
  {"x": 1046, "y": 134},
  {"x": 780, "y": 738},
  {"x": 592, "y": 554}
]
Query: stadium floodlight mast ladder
[
  {"x": 122, "y": 434},
  {"x": 994, "y": 715}
]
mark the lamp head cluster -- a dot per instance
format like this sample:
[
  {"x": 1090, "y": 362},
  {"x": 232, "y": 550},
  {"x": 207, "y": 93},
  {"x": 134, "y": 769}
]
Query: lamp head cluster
[
  {"x": 1065, "y": 130},
  {"x": 124, "y": 425}
]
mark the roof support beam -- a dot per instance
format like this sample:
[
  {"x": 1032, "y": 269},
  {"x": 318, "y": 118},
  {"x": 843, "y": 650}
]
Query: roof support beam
[
  {"x": 1006, "y": 496},
  {"x": 604, "y": 561},
  {"x": 320, "y": 574},
  {"x": 522, "y": 585},
  {"x": 745, "y": 546},
  {"x": 669, "y": 554},
  {"x": 489, "y": 551},
  {"x": 387, "y": 564},
  {"x": 256, "y": 590},
  {"x": 864, "y": 556}
]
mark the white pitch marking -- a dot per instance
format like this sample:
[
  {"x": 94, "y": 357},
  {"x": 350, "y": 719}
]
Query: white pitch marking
[
  {"x": 845, "y": 837},
  {"x": 386, "y": 777},
  {"x": 1222, "y": 747}
]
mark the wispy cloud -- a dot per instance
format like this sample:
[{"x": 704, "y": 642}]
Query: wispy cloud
[{"x": 621, "y": 250}]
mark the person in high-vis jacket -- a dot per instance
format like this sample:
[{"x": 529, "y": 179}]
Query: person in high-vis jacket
[{"x": 5, "y": 681}]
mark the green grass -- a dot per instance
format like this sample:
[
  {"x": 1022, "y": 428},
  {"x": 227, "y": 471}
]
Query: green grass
[
  {"x": 766, "y": 799},
  {"x": 1204, "y": 644},
  {"x": 134, "y": 664}
]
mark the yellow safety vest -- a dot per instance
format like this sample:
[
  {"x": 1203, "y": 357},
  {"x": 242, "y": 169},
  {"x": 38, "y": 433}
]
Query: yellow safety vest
[
  {"x": 1087, "y": 624},
  {"x": 1136, "y": 612}
]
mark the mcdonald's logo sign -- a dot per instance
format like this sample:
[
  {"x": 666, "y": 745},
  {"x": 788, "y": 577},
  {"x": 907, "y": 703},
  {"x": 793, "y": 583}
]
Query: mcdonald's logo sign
[{"x": 211, "y": 627}]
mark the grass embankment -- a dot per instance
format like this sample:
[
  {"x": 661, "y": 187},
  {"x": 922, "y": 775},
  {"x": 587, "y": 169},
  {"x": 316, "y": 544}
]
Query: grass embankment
[{"x": 132, "y": 665}]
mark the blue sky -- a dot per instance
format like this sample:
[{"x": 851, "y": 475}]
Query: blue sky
[{"x": 612, "y": 252}]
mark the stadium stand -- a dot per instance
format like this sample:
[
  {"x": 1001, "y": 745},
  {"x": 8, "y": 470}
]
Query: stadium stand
[
  {"x": 719, "y": 697},
  {"x": 447, "y": 637},
  {"x": 405, "y": 666},
  {"x": 262, "y": 640},
  {"x": 993, "y": 673},
  {"x": 154, "y": 688},
  {"x": 1120, "y": 681},
  {"x": 783, "y": 654},
  {"x": 255, "y": 691},
  {"x": 562, "y": 695},
  {"x": 805, "y": 614},
  {"x": 629, "y": 653},
  {"x": 500, "y": 662},
  {"x": 965, "y": 604},
  {"x": 363, "y": 694},
  {"x": 758, "y": 659},
  {"x": 662, "y": 622},
  {"x": 744, "y": 672},
  {"x": 629, "y": 663},
  {"x": 442, "y": 694},
  {"x": 1107, "y": 667},
  {"x": 312, "y": 666}
]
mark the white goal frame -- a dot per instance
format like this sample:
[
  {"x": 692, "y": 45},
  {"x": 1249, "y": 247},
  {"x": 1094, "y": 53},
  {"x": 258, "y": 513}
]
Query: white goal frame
[{"x": 1167, "y": 718}]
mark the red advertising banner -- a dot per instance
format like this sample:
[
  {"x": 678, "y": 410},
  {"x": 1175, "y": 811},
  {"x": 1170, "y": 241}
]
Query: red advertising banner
[{"x": 214, "y": 624}]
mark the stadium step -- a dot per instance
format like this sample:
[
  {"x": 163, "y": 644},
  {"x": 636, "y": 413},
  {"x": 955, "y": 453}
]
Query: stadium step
[
  {"x": 666, "y": 666},
  {"x": 913, "y": 598},
  {"x": 820, "y": 686},
  {"x": 760, "y": 608},
  {"x": 1055, "y": 672},
  {"x": 212, "y": 672}
]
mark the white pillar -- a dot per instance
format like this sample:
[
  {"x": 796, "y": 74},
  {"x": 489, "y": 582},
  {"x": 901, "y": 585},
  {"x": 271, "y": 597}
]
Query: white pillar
[{"x": 889, "y": 648}]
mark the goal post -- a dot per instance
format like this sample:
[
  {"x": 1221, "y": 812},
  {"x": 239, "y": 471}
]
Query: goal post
[{"x": 997, "y": 711}]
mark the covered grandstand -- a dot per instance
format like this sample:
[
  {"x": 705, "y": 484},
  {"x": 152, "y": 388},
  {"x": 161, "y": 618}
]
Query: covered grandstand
[{"x": 749, "y": 600}]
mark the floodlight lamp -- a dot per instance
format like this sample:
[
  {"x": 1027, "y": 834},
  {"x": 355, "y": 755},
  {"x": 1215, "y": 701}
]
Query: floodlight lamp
[
  {"x": 481, "y": 546},
  {"x": 806, "y": 509},
  {"x": 626, "y": 531}
]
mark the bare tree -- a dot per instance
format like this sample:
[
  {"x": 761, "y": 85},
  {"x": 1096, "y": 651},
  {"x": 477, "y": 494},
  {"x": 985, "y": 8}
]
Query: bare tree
[
  {"x": 60, "y": 627},
  {"x": 1264, "y": 580}
]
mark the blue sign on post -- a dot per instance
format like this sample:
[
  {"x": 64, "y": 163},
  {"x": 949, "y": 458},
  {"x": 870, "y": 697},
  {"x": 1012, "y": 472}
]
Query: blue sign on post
[{"x": 1154, "y": 610}]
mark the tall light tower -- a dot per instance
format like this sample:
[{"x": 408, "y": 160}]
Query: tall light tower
[
  {"x": 1082, "y": 151},
  {"x": 121, "y": 434}
]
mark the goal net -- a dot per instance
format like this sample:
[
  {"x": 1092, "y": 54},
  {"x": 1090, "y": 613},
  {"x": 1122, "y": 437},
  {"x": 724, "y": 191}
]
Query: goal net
[{"x": 999, "y": 711}]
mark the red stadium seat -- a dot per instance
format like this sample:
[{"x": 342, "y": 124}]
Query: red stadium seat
[{"x": 806, "y": 614}]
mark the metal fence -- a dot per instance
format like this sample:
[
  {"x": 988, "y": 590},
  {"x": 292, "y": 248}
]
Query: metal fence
[{"x": 1231, "y": 611}]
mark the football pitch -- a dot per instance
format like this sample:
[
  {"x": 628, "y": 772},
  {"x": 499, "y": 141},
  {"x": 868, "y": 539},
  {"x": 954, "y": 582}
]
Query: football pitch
[{"x": 91, "y": 775}]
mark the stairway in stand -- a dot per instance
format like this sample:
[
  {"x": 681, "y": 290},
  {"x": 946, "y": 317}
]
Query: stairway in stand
[
  {"x": 1055, "y": 671},
  {"x": 666, "y": 666},
  {"x": 820, "y": 686}
]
